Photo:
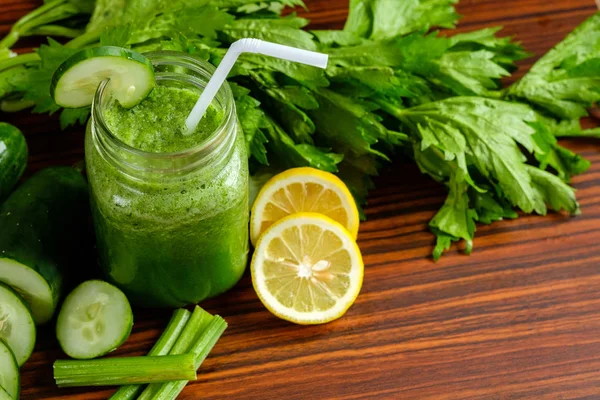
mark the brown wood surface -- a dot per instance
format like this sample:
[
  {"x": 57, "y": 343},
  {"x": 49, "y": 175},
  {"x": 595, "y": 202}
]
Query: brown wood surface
[{"x": 518, "y": 319}]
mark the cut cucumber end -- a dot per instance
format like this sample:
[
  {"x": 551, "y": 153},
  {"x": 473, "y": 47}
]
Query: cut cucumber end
[
  {"x": 75, "y": 82},
  {"x": 31, "y": 286},
  {"x": 17, "y": 328},
  {"x": 95, "y": 319},
  {"x": 9, "y": 373}
]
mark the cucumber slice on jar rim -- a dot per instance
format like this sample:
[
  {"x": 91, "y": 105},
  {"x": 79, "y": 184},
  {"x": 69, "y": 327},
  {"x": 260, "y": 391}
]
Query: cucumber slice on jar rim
[
  {"x": 75, "y": 81},
  {"x": 9, "y": 373},
  {"x": 94, "y": 320},
  {"x": 17, "y": 328}
]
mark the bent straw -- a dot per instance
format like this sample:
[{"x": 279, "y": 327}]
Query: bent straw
[{"x": 247, "y": 46}]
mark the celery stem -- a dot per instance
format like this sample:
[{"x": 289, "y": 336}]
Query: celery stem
[
  {"x": 55, "y": 30},
  {"x": 18, "y": 60},
  {"x": 124, "y": 371},
  {"x": 15, "y": 105},
  {"x": 49, "y": 12},
  {"x": 589, "y": 133},
  {"x": 201, "y": 349},
  {"x": 9, "y": 40},
  {"x": 84, "y": 40},
  {"x": 162, "y": 347},
  {"x": 198, "y": 323},
  {"x": 38, "y": 12}
]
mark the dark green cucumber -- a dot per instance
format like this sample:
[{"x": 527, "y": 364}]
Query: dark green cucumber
[
  {"x": 13, "y": 158},
  {"x": 43, "y": 232}
]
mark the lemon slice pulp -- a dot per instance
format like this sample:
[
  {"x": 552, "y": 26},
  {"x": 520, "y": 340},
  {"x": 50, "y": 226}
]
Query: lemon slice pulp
[
  {"x": 307, "y": 269},
  {"x": 303, "y": 190}
]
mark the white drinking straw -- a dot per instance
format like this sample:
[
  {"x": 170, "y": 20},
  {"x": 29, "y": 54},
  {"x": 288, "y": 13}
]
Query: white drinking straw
[{"x": 248, "y": 46}]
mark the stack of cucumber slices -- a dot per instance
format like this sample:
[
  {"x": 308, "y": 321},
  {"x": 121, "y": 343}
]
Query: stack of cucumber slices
[
  {"x": 9, "y": 373},
  {"x": 17, "y": 338}
]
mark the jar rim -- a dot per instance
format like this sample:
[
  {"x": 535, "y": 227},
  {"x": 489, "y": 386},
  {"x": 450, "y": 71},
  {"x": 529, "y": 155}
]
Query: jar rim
[{"x": 197, "y": 152}]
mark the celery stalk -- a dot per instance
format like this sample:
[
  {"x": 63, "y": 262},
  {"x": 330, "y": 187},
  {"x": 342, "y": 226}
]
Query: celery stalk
[
  {"x": 198, "y": 323},
  {"x": 201, "y": 349},
  {"x": 124, "y": 371},
  {"x": 171, "y": 334},
  {"x": 22, "y": 59},
  {"x": 49, "y": 13},
  {"x": 162, "y": 347}
]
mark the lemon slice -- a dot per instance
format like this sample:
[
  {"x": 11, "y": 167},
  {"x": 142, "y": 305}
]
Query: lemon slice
[
  {"x": 303, "y": 190},
  {"x": 307, "y": 269}
]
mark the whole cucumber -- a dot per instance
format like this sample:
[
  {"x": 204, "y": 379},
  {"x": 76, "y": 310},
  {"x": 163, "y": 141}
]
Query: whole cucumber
[
  {"x": 13, "y": 158},
  {"x": 43, "y": 233}
]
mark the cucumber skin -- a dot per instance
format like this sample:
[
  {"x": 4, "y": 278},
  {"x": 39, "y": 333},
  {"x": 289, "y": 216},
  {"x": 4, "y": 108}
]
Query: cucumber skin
[
  {"x": 13, "y": 158},
  {"x": 44, "y": 224}
]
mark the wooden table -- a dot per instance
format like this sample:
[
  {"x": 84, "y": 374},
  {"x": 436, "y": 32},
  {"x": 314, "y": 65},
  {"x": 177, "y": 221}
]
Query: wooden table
[{"x": 518, "y": 319}]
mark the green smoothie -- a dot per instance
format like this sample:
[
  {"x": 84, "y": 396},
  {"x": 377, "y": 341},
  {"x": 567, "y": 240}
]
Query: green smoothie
[
  {"x": 175, "y": 238},
  {"x": 155, "y": 124}
]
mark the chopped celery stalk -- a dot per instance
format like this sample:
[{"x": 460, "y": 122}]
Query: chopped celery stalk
[
  {"x": 124, "y": 371},
  {"x": 200, "y": 350},
  {"x": 162, "y": 347},
  {"x": 171, "y": 334},
  {"x": 198, "y": 323}
]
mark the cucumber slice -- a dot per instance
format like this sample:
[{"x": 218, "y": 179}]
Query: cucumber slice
[
  {"x": 17, "y": 328},
  {"x": 94, "y": 320},
  {"x": 75, "y": 82},
  {"x": 31, "y": 286},
  {"x": 4, "y": 395},
  {"x": 9, "y": 373}
]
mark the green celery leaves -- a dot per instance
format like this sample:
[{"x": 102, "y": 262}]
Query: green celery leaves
[
  {"x": 385, "y": 19},
  {"x": 474, "y": 144},
  {"x": 566, "y": 81}
]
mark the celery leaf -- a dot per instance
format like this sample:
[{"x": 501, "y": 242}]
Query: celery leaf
[{"x": 566, "y": 81}]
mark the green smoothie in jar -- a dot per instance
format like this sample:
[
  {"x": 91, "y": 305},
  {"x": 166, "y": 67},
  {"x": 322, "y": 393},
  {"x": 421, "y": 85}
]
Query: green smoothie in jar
[{"x": 170, "y": 210}]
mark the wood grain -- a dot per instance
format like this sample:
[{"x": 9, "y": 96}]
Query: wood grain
[{"x": 518, "y": 319}]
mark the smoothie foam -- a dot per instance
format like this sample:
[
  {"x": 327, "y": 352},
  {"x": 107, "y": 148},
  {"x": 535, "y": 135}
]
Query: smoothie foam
[{"x": 143, "y": 128}]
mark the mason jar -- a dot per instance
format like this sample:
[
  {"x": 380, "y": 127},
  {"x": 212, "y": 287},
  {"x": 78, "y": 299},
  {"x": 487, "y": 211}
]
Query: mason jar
[{"x": 171, "y": 228}]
